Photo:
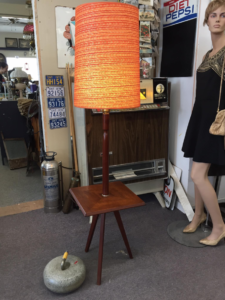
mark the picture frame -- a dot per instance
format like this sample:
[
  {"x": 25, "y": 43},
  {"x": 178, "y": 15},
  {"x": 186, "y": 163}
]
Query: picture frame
[
  {"x": 2, "y": 58},
  {"x": 24, "y": 43},
  {"x": 65, "y": 52},
  {"x": 11, "y": 43}
]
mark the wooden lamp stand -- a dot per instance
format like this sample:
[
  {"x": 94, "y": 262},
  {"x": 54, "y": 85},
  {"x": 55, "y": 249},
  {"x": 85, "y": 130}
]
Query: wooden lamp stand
[
  {"x": 105, "y": 153},
  {"x": 96, "y": 200}
]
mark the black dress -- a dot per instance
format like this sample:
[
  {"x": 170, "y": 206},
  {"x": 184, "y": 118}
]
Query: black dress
[{"x": 198, "y": 142}]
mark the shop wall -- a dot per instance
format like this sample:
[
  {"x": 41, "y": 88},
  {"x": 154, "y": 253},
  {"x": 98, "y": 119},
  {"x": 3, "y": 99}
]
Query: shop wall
[
  {"x": 182, "y": 100},
  {"x": 4, "y": 35},
  {"x": 57, "y": 139},
  {"x": 12, "y": 30},
  {"x": 182, "y": 93},
  {"x": 11, "y": 53},
  {"x": 28, "y": 64},
  {"x": 18, "y": 10}
]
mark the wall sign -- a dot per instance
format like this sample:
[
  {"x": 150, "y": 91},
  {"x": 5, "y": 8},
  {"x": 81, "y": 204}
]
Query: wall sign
[
  {"x": 55, "y": 91},
  {"x": 178, "y": 11},
  {"x": 54, "y": 80},
  {"x": 179, "y": 30},
  {"x": 56, "y": 102},
  {"x": 58, "y": 123}
]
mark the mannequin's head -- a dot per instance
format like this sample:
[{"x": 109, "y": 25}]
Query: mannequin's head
[{"x": 215, "y": 16}]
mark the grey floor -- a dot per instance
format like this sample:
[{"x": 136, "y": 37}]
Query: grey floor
[
  {"x": 16, "y": 187},
  {"x": 161, "y": 269}
]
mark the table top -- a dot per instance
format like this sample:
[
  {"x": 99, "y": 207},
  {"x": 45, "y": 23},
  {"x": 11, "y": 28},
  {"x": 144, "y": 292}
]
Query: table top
[{"x": 91, "y": 202}]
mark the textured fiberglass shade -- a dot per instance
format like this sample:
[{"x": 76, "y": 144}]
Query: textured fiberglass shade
[{"x": 107, "y": 72}]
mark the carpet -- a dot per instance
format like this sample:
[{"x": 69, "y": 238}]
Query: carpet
[{"x": 161, "y": 269}]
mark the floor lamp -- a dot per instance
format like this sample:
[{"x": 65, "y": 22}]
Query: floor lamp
[
  {"x": 107, "y": 76},
  {"x": 107, "y": 71}
]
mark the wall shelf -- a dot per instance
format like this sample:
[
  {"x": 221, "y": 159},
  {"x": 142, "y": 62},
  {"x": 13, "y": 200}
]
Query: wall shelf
[{"x": 14, "y": 49}]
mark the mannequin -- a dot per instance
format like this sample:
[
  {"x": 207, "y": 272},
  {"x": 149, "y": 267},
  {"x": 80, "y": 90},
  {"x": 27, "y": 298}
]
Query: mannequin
[{"x": 204, "y": 148}]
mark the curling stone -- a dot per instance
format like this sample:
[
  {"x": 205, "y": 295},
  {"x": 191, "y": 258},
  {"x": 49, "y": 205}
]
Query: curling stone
[{"x": 64, "y": 275}]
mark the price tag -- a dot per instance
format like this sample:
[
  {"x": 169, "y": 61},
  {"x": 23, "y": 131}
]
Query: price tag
[
  {"x": 54, "y": 80},
  {"x": 56, "y": 113},
  {"x": 55, "y": 91},
  {"x": 57, "y": 123},
  {"x": 56, "y": 102}
]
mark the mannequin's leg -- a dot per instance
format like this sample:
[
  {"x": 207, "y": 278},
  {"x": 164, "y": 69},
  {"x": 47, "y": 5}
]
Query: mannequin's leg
[
  {"x": 199, "y": 175},
  {"x": 199, "y": 209}
]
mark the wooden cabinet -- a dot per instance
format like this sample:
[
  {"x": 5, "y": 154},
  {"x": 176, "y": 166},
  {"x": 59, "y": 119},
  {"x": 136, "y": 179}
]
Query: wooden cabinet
[{"x": 135, "y": 136}]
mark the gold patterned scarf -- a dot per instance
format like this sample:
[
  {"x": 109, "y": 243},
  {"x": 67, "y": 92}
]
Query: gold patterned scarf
[{"x": 214, "y": 62}]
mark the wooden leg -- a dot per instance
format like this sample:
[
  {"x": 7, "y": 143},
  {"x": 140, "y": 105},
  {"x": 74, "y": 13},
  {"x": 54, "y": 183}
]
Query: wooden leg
[
  {"x": 100, "y": 253},
  {"x": 91, "y": 232},
  {"x": 122, "y": 230}
]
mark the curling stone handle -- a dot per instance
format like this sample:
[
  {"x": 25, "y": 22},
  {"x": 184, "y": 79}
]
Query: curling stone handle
[{"x": 64, "y": 260}]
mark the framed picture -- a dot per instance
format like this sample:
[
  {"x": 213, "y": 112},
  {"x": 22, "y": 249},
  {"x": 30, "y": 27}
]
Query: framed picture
[
  {"x": 24, "y": 43},
  {"x": 2, "y": 58},
  {"x": 11, "y": 43},
  {"x": 65, "y": 35}
]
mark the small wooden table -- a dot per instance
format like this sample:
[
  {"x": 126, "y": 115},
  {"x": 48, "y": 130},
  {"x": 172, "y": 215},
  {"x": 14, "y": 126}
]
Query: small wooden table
[{"x": 92, "y": 203}]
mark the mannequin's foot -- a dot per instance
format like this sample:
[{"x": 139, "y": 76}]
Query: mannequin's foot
[
  {"x": 216, "y": 235},
  {"x": 197, "y": 220}
]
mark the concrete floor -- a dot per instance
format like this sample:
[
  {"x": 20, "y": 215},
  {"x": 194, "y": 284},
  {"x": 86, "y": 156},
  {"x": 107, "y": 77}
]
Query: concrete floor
[{"x": 16, "y": 187}]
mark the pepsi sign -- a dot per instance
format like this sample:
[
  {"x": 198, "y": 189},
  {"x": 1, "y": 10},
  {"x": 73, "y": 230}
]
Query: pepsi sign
[{"x": 178, "y": 11}]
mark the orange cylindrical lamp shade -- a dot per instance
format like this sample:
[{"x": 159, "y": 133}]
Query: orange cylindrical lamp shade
[{"x": 107, "y": 71}]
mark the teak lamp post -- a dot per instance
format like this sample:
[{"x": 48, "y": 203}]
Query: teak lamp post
[
  {"x": 107, "y": 71},
  {"x": 107, "y": 76}
]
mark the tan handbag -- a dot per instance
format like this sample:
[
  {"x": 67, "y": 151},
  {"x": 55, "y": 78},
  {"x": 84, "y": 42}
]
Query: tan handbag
[{"x": 218, "y": 126}]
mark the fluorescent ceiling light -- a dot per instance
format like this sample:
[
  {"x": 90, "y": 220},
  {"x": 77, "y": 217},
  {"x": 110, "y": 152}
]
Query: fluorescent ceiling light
[{"x": 14, "y": 18}]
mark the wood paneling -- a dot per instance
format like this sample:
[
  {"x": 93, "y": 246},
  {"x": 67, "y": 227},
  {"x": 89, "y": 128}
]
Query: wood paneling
[{"x": 133, "y": 136}]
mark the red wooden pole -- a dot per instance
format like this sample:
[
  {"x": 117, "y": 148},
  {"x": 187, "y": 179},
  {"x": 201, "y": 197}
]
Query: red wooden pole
[{"x": 105, "y": 154}]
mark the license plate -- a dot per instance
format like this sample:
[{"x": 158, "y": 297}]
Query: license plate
[
  {"x": 54, "y": 80},
  {"x": 56, "y": 113},
  {"x": 56, "y": 102},
  {"x": 58, "y": 123},
  {"x": 55, "y": 91}
]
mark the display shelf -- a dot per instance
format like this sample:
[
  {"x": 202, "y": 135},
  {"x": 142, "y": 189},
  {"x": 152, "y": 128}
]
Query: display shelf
[{"x": 14, "y": 49}]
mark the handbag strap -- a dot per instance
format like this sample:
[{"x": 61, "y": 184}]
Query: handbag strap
[{"x": 221, "y": 83}]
